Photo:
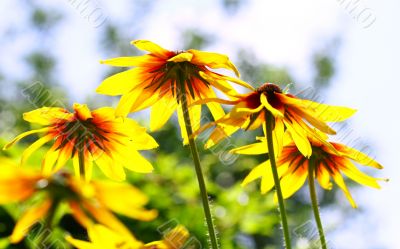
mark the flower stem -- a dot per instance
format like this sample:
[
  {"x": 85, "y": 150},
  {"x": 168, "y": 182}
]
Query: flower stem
[
  {"x": 282, "y": 210},
  {"x": 197, "y": 166},
  {"x": 45, "y": 232},
  {"x": 81, "y": 158},
  {"x": 314, "y": 201}
]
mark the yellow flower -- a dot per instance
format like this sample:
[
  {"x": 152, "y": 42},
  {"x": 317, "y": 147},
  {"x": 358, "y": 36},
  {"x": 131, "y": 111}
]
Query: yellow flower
[
  {"x": 158, "y": 77},
  {"x": 103, "y": 238},
  {"x": 97, "y": 136},
  {"x": 99, "y": 199},
  {"x": 289, "y": 112},
  {"x": 328, "y": 159}
]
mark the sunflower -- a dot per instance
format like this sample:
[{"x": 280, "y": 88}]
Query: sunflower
[
  {"x": 288, "y": 111},
  {"x": 104, "y": 238},
  {"x": 328, "y": 160},
  {"x": 158, "y": 79},
  {"x": 86, "y": 137},
  {"x": 86, "y": 200}
]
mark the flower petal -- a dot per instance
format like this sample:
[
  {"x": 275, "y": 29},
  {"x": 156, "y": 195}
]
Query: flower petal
[
  {"x": 82, "y": 111},
  {"x": 151, "y": 47},
  {"x": 323, "y": 177},
  {"x": 22, "y": 135},
  {"x": 120, "y": 83},
  {"x": 161, "y": 112},
  {"x": 181, "y": 57},
  {"x": 293, "y": 181},
  {"x": 47, "y": 115},
  {"x": 337, "y": 177},
  {"x": 252, "y": 149},
  {"x": 29, "y": 218},
  {"x": 356, "y": 175},
  {"x": 132, "y": 61},
  {"x": 35, "y": 146},
  {"x": 275, "y": 112},
  {"x": 212, "y": 60}
]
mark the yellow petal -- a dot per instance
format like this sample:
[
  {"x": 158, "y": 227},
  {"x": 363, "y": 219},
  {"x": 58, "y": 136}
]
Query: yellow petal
[
  {"x": 50, "y": 159},
  {"x": 126, "y": 102},
  {"x": 108, "y": 166},
  {"x": 47, "y": 115},
  {"x": 252, "y": 149},
  {"x": 82, "y": 111},
  {"x": 278, "y": 136},
  {"x": 337, "y": 177},
  {"x": 79, "y": 215},
  {"x": 212, "y": 60},
  {"x": 211, "y": 100},
  {"x": 323, "y": 178},
  {"x": 29, "y": 218},
  {"x": 358, "y": 156},
  {"x": 80, "y": 244},
  {"x": 151, "y": 47},
  {"x": 300, "y": 138},
  {"x": 181, "y": 57},
  {"x": 356, "y": 175},
  {"x": 329, "y": 113},
  {"x": 22, "y": 135},
  {"x": 161, "y": 112},
  {"x": 131, "y": 61},
  {"x": 105, "y": 217},
  {"x": 275, "y": 112},
  {"x": 138, "y": 163},
  {"x": 113, "y": 195},
  {"x": 35, "y": 146},
  {"x": 292, "y": 182},
  {"x": 313, "y": 120},
  {"x": 120, "y": 83}
]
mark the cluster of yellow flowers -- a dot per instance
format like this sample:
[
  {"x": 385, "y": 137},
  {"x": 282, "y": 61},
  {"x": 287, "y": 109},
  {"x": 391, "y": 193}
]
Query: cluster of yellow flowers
[{"x": 296, "y": 143}]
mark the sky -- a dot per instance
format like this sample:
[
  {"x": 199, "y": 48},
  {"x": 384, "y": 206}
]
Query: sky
[{"x": 284, "y": 33}]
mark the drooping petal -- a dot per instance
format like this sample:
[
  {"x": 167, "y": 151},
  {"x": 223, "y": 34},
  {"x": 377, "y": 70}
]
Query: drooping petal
[
  {"x": 329, "y": 113},
  {"x": 161, "y": 112},
  {"x": 138, "y": 163},
  {"x": 113, "y": 195},
  {"x": 151, "y": 47},
  {"x": 104, "y": 216},
  {"x": 212, "y": 60},
  {"x": 356, "y": 175},
  {"x": 35, "y": 146},
  {"x": 252, "y": 149},
  {"x": 357, "y": 156},
  {"x": 82, "y": 111},
  {"x": 22, "y": 135},
  {"x": 275, "y": 112},
  {"x": 323, "y": 177},
  {"x": 47, "y": 115},
  {"x": 120, "y": 83},
  {"x": 293, "y": 181},
  {"x": 132, "y": 61},
  {"x": 319, "y": 124},
  {"x": 108, "y": 166},
  {"x": 181, "y": 57},
  {"x": 300, "y": 139},
  {"x": 337, "y": 177},
  {"x": 80, "y": 243},
  {"x": 29, "y": 218}
]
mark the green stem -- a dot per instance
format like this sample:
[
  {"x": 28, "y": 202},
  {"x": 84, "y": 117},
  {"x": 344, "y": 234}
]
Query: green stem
[
  {"x": 197, "y": 166},
  {"x": 45, "y": 232},
  {"x": 81, "y": 158},
  {"x": 314, "y": 201},
  {"x": 282, "y": 210}
]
